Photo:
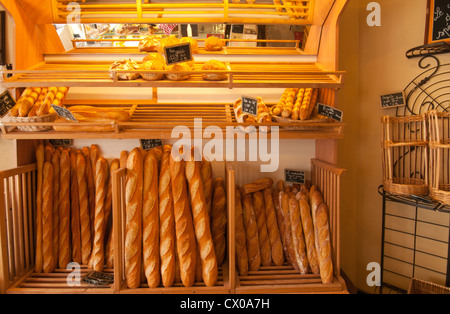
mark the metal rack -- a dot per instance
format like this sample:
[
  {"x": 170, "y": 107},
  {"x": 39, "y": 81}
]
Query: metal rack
[{"x": 401, "y": 232}]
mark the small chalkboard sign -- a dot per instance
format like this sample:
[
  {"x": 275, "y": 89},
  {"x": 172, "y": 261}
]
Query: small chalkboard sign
[
  {"x": 330, "y": 112},
  {"x": 250, "y": 105},
  {"x": 393, "y": 100},
  {"x": 60, "y": 142},
  {"x": 149, "y": 144},
  {"x": 438, "y": 21},
  {"x": 64, "y": 113},
  {"x": 294, "y": 176},
  {"x": 99, "y": 279},
  {"x": 6, "y": 103},
  {"x": 178, "y": 53}
]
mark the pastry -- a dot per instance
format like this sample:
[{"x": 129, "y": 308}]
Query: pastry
[
  {"x": 263, "y": 115},
  {"x": 124, "y": 65},
  {"x": 150, "y": 43},
  {"x": 240, "y": 242},
  {"x": 219, "y": 220},
  {"x": 154, "y": 56},
  {"x": 214, "y": 65},
  {"x": 251, "y": 232},
  {"x": 272, "y": 229},
  {"x": 213, "y": 43},
  {"x": 179, "y": 67},
  {"x": 194, "y": 43},
  {"x": 154, "y": 65}
]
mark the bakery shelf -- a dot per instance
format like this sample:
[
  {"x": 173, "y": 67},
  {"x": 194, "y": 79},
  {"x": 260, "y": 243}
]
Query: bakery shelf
[
  {"x": 167, "y": 12},
  {"x": 157, "y": 120},
  {"x": 240, "y": 75}
]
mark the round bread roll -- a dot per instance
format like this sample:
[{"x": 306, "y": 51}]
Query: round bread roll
[
  {"x": 168, "y": 41},
  {"x": 213, "y": 43},
  {"x": 179, "y": 67},
  {"x": 214, "y": 65},
  {"x": 150, "y": 43},
  {"x": 154, "y": 65},
  {"x": 154, "y": 56},
  {"x": 194, "y": 43}
]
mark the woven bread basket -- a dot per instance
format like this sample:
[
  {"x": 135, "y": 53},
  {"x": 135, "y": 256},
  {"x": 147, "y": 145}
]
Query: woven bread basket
[{"x": 36, "y": 119}]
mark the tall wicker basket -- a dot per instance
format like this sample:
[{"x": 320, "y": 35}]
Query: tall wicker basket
[
  {"x": 405, "y": 155},
  {"x": 439, "y": 124}
]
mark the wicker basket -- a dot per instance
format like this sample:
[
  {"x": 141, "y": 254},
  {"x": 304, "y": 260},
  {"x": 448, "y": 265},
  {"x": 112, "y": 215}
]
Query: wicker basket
[
  {"x": 417, "y": 286},
  {"x": 405, "y": 155},
  {"x": 37, "y": 119}
]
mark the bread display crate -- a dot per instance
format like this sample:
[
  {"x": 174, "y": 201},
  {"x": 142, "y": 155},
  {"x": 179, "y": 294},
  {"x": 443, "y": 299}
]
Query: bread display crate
[
  {"x": 284, "y": 278},
  {"x": 405, "y": 155}
]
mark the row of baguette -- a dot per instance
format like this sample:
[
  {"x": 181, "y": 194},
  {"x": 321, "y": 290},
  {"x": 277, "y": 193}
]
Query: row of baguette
[
  {"x": 282, "y": 224},
  {"x": 296, "y": 103},
  {"x": 36, "y": 101}
]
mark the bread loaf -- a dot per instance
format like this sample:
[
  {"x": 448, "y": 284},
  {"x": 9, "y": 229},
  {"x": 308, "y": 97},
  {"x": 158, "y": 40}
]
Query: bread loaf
[
  {"x": 85, "y": 224},
  {"x": 263, "y": 235},
  {"x": 15, "y": 110},
  {"x": 40, "y": 160},
  {"x": 257, "y": 185},
  {"x": 308, "y": 230},
  {"x": 64, "y": 210},
  {"x": 201, "y": 222},
  {"x": 55, "y": 164},
  {"x": 324, "y": 244},
  {"x": 288, "y": 241},
  {"x": 150, "y": 220},
  {"x": 298, "y": 103},
  {"x": 251, "y": 232},
  {"x": 167, "y": 247},
  {"x": 298, "y": 239},
  {"x": 279, "y": 215},
  {"x": 207, "y": 180},
  {"x": 272, "y": 229},
  {"x": 37, "y": 104},
  {"x": 94, "y": 154},
  {"x": 133, "y": 229},
  {"x": 75, "y": 210},
  {"x": 47, "y": 218},
  {"x": 219, "y": 219},
  {"x": 123, "y": 159},
  {"x": 240, "y": 243},
  {"x": 184, "y": 227},
  {"x": 315, "y": 200},
  {"x": 114, "y": 166},
  {"x": 44, "y": 107},
  {"x": 90, "y": 180},
  {"x": 28, "y": 102}
]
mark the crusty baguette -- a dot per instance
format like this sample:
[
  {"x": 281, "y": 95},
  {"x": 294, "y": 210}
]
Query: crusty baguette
[
  {"x": 201, "y": 222},
  {"x": 29, "y": 101},
  {"x": 263, "y": 235},
  {"x": 219, "y": 219},
  {"x": 75, "y": 210},
  {"x": 289, "y": 245},
  {"x": 109, "y": 250},
  {"x": 47, "y": 218},
  {"x": 304, "y": 109},
  {"x": 240, "y": 242},
  {"x": 15, "y": 110},
  {"x": 44, "y": 107},
  {"x": 133, "y": 232},
  {"x": 279, "y": 215},
  {"x": 114, "y": 166},
  {"x": 206, "y": 171},
  {"x": 40, "y": 160},
  {"x": 257, "y": 185},
  {"x": 184, "y": 227},
  {"x": 55, "y": 163},
  {"x": 123, "y": 159},
  {"x": 48, "y": 152},
  {"x": 150, "y": 220},
  {"x": 37, "y": 104},
  {"x": 167, "y": 221},
  {"x": 324, "y": 244},
  {"x": 278, "y": 108},
  {"x": 251, "y": 232},
  {"x": 298, "y": 103},
  {"x": 64, "y": 210},
  {"x": 298, "y": 239},
  {"x": 85, "y": 224},
  {"x": 308, "y": 230},
  {"x": 315, "y": 200},
  {"x": 90, "y": 179},
  {"x": 289, "y": 104},
  {"x": 272, "y": 229},
  {"x": 94, "y": 154},
  {"x": 95, "y": 113}
]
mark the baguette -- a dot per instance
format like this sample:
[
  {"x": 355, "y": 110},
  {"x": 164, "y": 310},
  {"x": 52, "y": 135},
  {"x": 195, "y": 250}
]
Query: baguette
[
  {"x": 47, "y": 218},
  {"x": 133, "y": 232},
  {"x": 308, "y": 229},
  {"x": 324, "y": 244},
  {"x": 15, "y": 110},
  {"x": 94, "y": 154},
  {"x": 75, "y": 210},
  {"x": 40, "y": 160},
  {"x": 240, "y": 242},
  {"x": 64, "y": 210},
  {"x": 48, "y": 152},
  {"x": 90, "y": 112},
  {"x": 219, "y": 220},
  {"x": 251, "y": 232},
  {"x": 109, "y": 248},
  {"x": 59, "y": 98},
  {"x": 257, "y": 185},
  {"x": 298, "y": 239},
  {"x": 123, "y": 159},
  {"x": 298, "y": 103},
  {"x": 90, "y": 179},
  {"x": 56, "y": 174},
  {"x": 289, "y": 104},
  {"x": 279, "y": 215},
  {"x": 184, "y": 227},
  {"x": 44, "y": 107},
  {"x": 28, "y": 102},
  {"x": 309, "y": 101},
  {"x": 109, "y": 251},
  {"x": 37, "y": 104},
  {"x": 278, "y": 108},
  {"x": 201, "y": 222},
  {"x": 315, "y": 200},
  {"x": 167, "y": 222},
  {"x": 85, "y": 225},
  {"x": 264, "y": 242},
  {"x": 207, "y": 180},
  {"x": 272, "y": 228},
  {"x": 150, "y": 220},
  {"x": 289, "y": 245}
]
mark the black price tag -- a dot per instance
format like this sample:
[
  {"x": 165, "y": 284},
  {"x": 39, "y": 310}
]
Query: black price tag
[
  {"x": 6, "y": 103},
  {"x": 149, "y": 144},
  {"x": 99, "y": 279},
  {"x": 64, "y": 113},
  {"x": 178, "y": 53},
  {"x": 294, "y": 176},
  {"x": 393, "y": 100},
  {"x": 63, "y": 143},
  {"x": 330, "y": 112},
  {"x": 250, "y": 105}
]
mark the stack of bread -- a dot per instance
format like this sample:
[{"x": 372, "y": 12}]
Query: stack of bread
[
  {"x": 176, "y": 220},
  {"x": 282, "y": 224},
  {"x": 296, "y": 104},
  {"x": 74, "y": 205},
  {"x": 37, "y": 101}
]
